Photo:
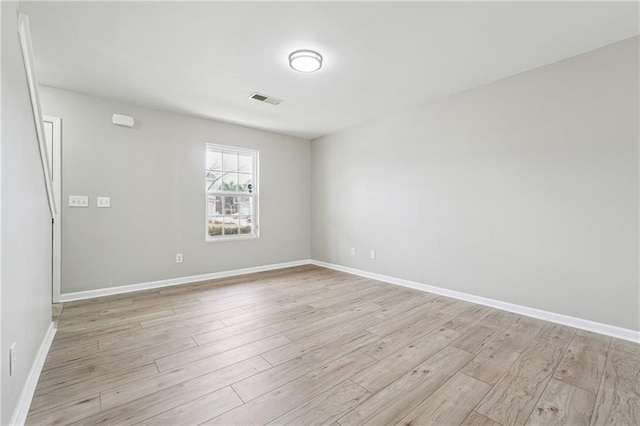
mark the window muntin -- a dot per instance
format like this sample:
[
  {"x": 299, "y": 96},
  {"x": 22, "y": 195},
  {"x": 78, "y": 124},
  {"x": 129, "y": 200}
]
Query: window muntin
[{"x": 231, "y": 187}]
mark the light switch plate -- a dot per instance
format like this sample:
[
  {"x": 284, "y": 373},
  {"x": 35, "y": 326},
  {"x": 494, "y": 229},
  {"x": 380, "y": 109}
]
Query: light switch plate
[
  {"x": 103, "y": 202},
  {"x": 78, "y": 201}
]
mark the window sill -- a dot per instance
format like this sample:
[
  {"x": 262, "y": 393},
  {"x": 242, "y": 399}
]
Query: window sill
[{"x": 217, "y": 239}]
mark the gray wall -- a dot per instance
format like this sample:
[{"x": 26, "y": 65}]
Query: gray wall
[
  {"x": 524, "y": 190},
  {"x": 154, "y": 174},
  {"x": 25, "y": 260}
]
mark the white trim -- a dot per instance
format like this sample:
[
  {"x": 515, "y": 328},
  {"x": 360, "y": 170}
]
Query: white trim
[
  {"x": 56, "y": 152},
  {"x": 22, "y": 408},
  {"x": 29, "y": 66},
  {"x": 1, "y": 351},
  {"x": 236, "y": 237},
  {"x": 583, "y": 324},
  {"x": 80, "y": 295}
]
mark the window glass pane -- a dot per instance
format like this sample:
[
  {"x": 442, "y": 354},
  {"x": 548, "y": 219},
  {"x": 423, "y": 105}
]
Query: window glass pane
[
  {"x": 244, "y": 206},
  {"x": 245, "y": 163},
  {"x": 245, "y": 215},
  {"x": 245, "y": 183},
  {"x": 245, "y": 228},
  {"x": 215, "y": 226},
  {"x": 214, "y": 206},
  {"x": 230, "y": 226},
  {"x": 214, "y": 160},
  {"x": 230, "y": 182},
  {"x": 230, "y": 162},
  {"x": 214, "y": 181},
  {"x": 230, "y": 205}
]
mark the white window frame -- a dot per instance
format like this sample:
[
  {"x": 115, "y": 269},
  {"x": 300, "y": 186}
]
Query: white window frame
[{"x": 255, "y": 154}]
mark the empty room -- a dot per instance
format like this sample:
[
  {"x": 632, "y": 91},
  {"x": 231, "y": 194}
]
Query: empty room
[{"x": 300, "y": 213}]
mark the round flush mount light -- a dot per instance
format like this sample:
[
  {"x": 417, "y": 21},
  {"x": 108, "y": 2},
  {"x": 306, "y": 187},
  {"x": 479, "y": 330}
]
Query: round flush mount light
[{"x": 305, "y": 61}]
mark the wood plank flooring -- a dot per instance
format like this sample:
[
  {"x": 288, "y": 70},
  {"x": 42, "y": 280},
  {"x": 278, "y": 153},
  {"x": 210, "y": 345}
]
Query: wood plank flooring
[{"x": 309, "y": 345}]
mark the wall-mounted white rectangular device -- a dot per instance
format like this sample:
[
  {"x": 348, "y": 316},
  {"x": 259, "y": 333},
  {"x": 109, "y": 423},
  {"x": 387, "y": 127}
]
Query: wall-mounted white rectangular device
[
  {"x": 78, "y": 201},
  {"x": 122, "y": 120},
  {"x": 103, "y": 202}
]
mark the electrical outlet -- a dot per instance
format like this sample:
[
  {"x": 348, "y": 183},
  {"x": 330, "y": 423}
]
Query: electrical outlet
[
  {"x": 353, "y": 251},
  {"x": 78, "y": 201},
  {"x": 12, "y": 358},
  {"x": 372, "y": 254},
  {"x": 179, "y": 258}
]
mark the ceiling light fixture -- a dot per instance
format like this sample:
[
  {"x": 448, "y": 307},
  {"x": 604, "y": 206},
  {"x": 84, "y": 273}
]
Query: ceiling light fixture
[{"x": 305, "y": 61}]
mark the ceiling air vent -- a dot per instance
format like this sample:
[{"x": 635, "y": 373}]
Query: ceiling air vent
[{"x": 264, "y": 98}]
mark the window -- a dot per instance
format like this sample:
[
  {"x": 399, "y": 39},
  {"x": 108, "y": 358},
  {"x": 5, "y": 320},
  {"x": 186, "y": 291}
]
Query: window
[{"x": 232, "y": 193}]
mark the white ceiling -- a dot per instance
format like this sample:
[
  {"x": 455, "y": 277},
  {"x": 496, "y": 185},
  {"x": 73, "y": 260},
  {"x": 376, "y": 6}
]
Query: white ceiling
[{"x": 206, "y": 58}]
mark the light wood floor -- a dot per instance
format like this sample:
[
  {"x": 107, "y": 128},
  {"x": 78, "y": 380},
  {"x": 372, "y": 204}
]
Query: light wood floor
[{"x": 309, "y": 345}]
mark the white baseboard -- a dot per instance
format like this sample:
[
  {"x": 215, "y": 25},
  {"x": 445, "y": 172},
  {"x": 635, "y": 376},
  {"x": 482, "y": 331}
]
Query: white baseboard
[
  {"x": 80, "y": 295},
  {"x": 22, "y": 409},
  {"x": 583, "y": 324}
]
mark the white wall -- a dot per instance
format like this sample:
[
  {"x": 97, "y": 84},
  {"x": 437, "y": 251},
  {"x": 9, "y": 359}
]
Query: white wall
[
  {"x": 524, "y": 190},
  {"x": 154, "y": 174},
  {"x": 26, "y": 224}
]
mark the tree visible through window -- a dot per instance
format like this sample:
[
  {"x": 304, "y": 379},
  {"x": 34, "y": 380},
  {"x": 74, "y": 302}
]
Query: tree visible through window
[{"x": 232, "y": 197}]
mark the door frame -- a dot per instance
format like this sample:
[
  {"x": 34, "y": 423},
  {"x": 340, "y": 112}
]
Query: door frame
[{"x": 56, "y": 177}]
